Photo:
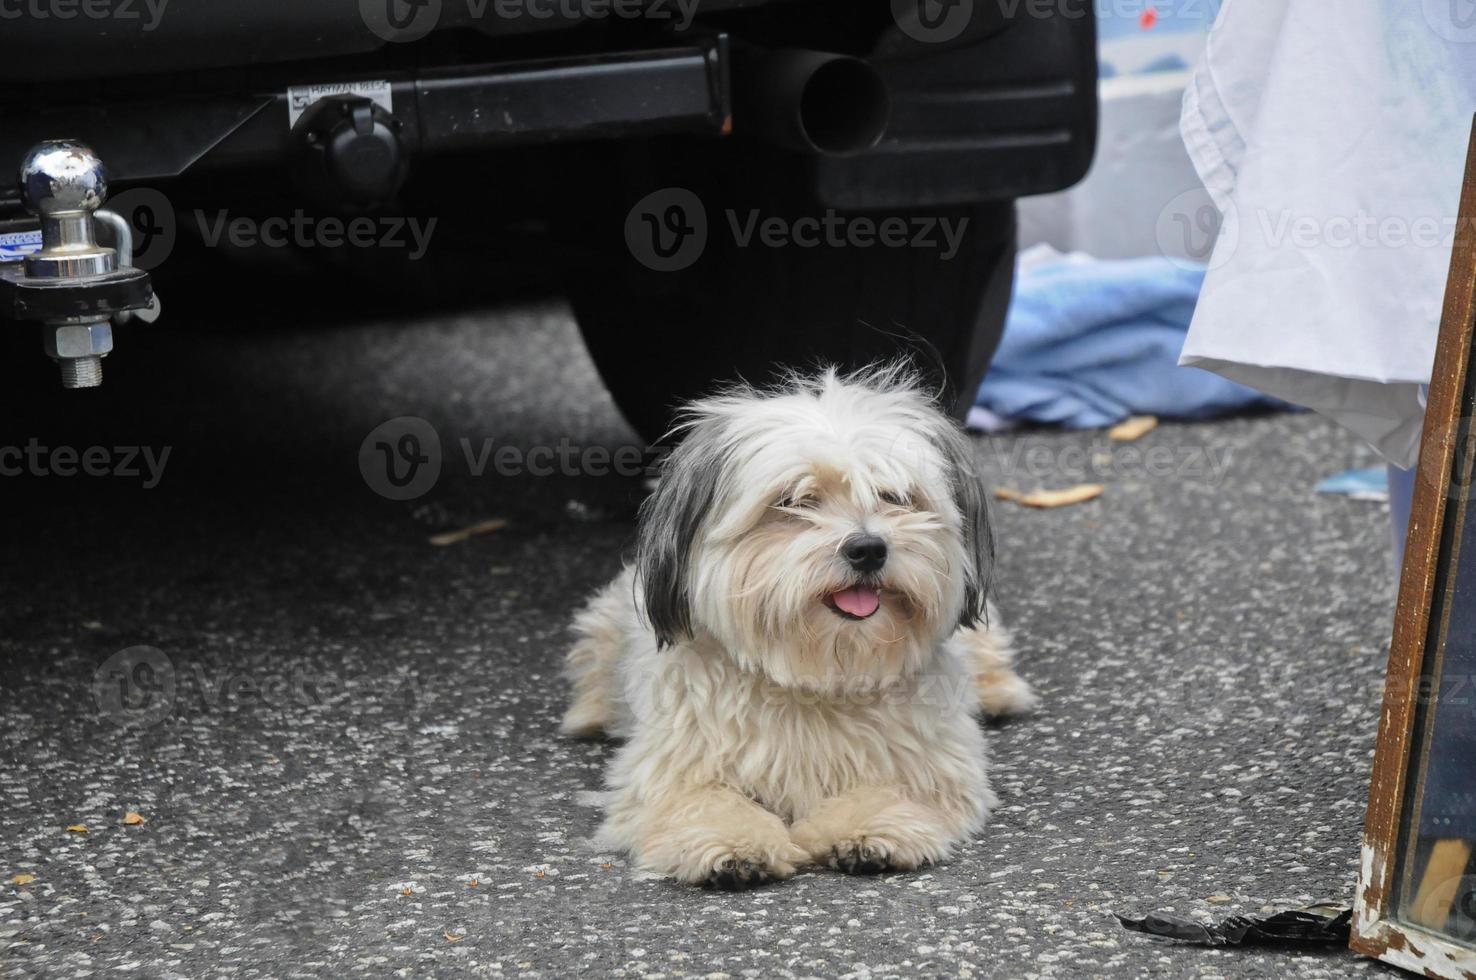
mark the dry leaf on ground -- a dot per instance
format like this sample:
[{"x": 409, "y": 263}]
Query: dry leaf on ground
[
  {"x": 470, "y": 531},
  {"x": 22, "y": 879},
  {"x": 1046, "y": 499},
  {"x": 1134, "y": 427},
  {"x": 133, "y": 818},
  {"x": 452, "y": 937},
  {"x": 77, "y": 828}
]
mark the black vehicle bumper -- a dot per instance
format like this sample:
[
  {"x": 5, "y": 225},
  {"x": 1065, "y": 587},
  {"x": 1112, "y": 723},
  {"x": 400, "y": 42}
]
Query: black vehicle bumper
[{"x": 1001, "y": 109}]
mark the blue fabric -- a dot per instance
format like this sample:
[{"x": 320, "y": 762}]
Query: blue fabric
[
  {"x": 1088, "y": 343},
  {"x": 1361, "y": 483}
]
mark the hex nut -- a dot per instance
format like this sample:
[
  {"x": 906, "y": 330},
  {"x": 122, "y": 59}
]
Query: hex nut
[{"x": 79, "y": 339}]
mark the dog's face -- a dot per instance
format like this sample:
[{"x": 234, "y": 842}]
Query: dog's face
[{"x": 829, "y": 532}]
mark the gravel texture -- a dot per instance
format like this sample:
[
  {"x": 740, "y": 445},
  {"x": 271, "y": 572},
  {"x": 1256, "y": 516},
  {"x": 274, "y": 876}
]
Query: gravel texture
[{"x": 342, "y": 738}]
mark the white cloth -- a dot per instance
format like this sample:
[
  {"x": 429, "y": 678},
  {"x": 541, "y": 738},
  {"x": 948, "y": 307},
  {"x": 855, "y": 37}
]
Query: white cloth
[{"x": 1332, "y": 137}]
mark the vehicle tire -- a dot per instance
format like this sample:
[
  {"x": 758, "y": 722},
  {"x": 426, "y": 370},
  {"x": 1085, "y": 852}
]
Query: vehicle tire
[{"x": 659, "y": 338}]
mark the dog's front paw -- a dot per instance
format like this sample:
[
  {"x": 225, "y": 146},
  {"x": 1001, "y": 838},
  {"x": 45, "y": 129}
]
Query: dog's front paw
[
  {"x": 860, "y": 856},
  {"x": 733, "y": 845},
  {"x": 740, "y": 870},
  {"x": 870, "y": 855},
  {"x": 869, "y": 831},
  {"x": 736, "y": 867}
]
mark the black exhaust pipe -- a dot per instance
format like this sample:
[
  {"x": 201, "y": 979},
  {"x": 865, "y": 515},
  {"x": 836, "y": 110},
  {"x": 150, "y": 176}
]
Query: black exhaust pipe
[{"x": 811, "y": 101}]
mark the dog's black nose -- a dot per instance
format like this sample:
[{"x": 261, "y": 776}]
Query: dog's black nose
[{"x": 865, "y": 552}]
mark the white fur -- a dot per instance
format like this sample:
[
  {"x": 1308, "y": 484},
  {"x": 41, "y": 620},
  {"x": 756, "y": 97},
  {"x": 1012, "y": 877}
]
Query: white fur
[{"x": 771, "y": 732}]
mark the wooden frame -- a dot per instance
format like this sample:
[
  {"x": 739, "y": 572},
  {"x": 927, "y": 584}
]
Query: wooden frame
[{"x": 1377, "y": 929}]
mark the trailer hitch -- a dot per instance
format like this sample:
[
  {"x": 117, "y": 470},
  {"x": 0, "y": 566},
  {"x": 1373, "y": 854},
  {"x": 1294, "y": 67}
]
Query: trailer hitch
[{"x": 73, "y": 286}]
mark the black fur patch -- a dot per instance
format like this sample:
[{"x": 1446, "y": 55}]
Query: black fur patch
[
  {"x": 669, "y": 522},
  {"x": 973, "y": 507}
]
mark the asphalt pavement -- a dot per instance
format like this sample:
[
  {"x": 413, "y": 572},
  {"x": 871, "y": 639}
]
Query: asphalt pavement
[{"x": 340, "y": 742}]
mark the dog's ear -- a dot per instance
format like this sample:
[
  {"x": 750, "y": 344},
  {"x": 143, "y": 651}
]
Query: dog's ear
[
  {"x": 669, "y": 522},
  {"x": 973, "y": 509}
]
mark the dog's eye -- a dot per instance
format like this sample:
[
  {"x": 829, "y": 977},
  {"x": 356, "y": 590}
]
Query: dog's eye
[
  {"x": 895, "y": 499},
  {"x": 798, "y": 501}
]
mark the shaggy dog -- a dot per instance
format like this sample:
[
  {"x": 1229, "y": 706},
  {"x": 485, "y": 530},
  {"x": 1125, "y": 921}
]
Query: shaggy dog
[{"x": 797, "y": 656}]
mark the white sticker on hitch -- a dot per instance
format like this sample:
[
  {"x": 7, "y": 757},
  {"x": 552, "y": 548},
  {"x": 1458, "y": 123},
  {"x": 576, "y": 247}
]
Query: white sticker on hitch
[
  {"x": 300, "y": 97},
  {"x": 16, "y": 245}
]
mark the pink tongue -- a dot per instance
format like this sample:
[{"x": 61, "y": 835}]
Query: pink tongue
[{"x": 860, "y": 601}]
